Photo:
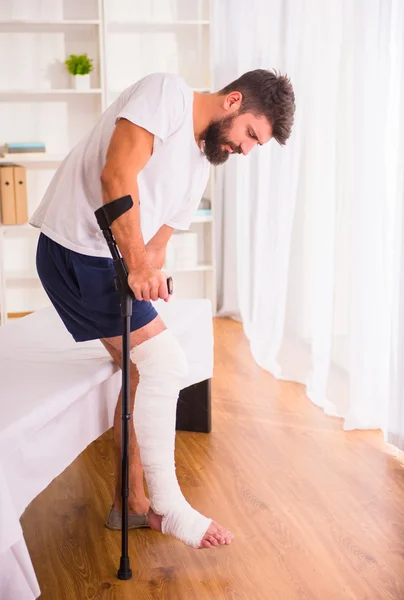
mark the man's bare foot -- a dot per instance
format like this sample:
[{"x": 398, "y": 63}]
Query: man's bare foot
[{"x": 216, "y": 535}]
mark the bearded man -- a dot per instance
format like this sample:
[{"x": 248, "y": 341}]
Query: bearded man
[{"x": 155, "y": 143}]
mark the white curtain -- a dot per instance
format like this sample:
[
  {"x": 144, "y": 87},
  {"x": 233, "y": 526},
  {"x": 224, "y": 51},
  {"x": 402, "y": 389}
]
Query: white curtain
[{"x": 310, "y": 236}]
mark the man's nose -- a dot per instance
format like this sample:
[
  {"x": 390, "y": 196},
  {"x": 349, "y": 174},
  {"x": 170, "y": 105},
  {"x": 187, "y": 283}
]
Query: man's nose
[{"x": 246, "y": 147}]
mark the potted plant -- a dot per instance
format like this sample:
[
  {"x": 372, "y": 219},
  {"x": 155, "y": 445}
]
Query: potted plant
[{"x": 80, "y": 67}]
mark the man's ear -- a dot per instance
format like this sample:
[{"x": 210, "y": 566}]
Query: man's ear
[{"x": 232, "y": 102}]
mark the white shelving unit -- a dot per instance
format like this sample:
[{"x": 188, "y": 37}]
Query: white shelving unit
[
  {"x": 127, "y": 40},
  {"x": 146, "y": 36},
  {"x": 39, "y": 103}
]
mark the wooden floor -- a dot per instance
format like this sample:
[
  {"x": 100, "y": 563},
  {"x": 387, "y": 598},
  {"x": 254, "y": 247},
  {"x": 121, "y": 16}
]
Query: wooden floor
[{"x": 318, "y": 513}]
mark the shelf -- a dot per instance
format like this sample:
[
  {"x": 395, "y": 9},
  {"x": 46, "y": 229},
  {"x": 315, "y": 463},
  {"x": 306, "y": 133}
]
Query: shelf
[
  {"x": 115, "y": 93},
  {"x": 197, "y": 269},
  {"x": 50, "y": 92},
  {"x": 26, "y": 228},
  {"x": 33, "y": 157},
  {"x": 202, "y": 219},
  {"x": 54, "y": 23},
  {"x": 21, "y": 276},
  {"x": 119, "y": 24}
]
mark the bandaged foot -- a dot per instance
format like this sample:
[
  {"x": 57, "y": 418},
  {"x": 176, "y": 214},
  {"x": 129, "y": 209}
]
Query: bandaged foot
[
  {"x": 216, "y": 535},
  {"x": 162, "y": 367}
]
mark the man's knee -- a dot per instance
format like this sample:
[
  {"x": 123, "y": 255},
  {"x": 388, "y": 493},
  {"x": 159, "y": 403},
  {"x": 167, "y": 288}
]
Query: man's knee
[{"x": 160, "y": 356}]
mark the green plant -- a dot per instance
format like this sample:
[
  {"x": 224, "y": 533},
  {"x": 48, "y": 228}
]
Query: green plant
[{"x": 79, "y": 64}]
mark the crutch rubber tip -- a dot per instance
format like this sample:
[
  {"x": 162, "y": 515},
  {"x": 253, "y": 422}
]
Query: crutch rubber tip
[{"x": 124, "y": 572}]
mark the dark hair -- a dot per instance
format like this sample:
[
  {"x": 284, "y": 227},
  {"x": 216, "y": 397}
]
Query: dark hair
[{"x": 268, "y": 94}]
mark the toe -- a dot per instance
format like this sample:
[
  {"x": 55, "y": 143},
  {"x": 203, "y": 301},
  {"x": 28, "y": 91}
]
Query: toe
[
  {"x": 212, "y": 539},
  {"x": 219, "y": 537},
  {"x": 216, "y": 535},
  {"x": 227, "y": 536}
]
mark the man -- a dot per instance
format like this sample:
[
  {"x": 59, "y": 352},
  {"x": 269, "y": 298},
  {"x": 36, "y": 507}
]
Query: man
[{"x": 155, "y": 143}]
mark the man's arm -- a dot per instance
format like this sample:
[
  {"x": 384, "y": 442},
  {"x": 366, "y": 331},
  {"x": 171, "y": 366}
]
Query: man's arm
[
  {"x": 156, "y": 247},
  {"x": 129, "y": 150}
]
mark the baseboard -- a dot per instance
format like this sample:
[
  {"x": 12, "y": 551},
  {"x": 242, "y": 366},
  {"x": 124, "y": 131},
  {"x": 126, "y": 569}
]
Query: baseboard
[{"x": 18, "y": 315}]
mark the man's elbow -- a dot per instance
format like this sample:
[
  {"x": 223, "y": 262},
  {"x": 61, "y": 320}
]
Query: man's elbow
[
  {"x": 109, "y": 178},
  {"x": 115, "y": 182}
]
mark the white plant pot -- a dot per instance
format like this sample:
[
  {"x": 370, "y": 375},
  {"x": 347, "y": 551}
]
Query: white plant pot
[{"x": 82, "y": 82}]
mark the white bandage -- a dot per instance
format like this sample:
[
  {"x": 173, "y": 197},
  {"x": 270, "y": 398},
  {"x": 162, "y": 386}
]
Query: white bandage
[{"x": 162, "y": 367}]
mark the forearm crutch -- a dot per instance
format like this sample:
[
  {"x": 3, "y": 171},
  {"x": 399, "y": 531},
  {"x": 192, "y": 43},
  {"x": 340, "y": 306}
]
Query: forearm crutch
[{"x": 105, "y": 216}]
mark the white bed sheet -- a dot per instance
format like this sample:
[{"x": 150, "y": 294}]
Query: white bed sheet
[{"x": 56, "y": 397}]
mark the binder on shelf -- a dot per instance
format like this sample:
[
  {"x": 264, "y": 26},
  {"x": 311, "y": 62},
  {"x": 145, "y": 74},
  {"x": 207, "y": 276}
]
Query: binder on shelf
[
  {"x": 20, "y": 195},
  {"x": 7, "y": 198},
  {"x": 13, "y": 194}
]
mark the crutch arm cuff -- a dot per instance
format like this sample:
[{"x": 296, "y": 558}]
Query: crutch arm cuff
[{"x": 107, "y": 213}]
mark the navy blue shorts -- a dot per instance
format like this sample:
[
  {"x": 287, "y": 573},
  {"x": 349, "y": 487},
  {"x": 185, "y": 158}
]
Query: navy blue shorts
[{"x": 82, "y": 290}]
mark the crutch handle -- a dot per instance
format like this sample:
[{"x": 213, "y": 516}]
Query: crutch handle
[
  {"x": 105, "y": 216},
  {"x": 170, "y": 285}
]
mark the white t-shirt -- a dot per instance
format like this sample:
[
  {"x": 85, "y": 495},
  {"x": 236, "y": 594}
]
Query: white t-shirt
[{"x": 170, "y": 185}]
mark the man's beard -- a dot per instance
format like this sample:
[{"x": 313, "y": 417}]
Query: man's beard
[{"x": 215, "y": 136}]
